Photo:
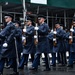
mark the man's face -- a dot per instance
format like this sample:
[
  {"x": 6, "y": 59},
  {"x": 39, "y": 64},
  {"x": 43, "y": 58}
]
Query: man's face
[
  {"x": 7, "y": 19},
  {"x": 28, "y": 22},
  {"x": 74, "y": 24},
  {"x": 57, "y": 25},
  {"x": 16, "y": 24},
  {"x": 40, "y": 20}
]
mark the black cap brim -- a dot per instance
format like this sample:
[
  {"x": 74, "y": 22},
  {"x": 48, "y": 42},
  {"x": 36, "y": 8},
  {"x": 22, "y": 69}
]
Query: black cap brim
[
  {"x": 41, "y": 16},
  {"x": 18, "y": 22},
  {"x": 8, "y": 15}
]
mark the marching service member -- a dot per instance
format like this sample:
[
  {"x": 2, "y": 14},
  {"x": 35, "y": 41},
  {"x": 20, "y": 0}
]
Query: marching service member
[
  {"x": 8, "y": 45},
  {"x": 28, "y": 47},
  {"x": 43, "y": 44}
]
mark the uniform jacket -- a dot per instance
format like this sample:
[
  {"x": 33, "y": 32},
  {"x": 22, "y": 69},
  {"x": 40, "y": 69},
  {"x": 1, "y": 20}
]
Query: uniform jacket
[
  {"x": 43, "y": 44},
  {"x": 7, "y": 35},
  {"x": 29, "y": 47}
]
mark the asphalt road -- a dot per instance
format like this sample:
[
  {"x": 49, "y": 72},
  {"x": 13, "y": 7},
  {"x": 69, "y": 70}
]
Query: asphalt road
[{"x": 59, "y": 70}]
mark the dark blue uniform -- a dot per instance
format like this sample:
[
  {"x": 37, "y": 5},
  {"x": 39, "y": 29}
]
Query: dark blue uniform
[
  {"x": 18, "y": 36},
  {"x": 59, "y": 48},
  {"x": 29, "y": 48},
  {"x": 50, "y": 37},
  {"x": 43, "y": 45},
  {"x": 66, "y": 39},
  {"x": 7, "y": 35},
  {"x": 72, "y": 50}
]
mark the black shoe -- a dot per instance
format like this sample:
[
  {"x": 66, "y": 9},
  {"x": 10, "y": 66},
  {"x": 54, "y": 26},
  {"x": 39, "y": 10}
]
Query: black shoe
[
  {"x": 1, "y": 73},
  {"x": 63, "y": 64},
  {"x": 39, "y": 64},
  {"x": 15, "y": 73},
  {"x": 47, "y": 69},
  {"x": 44, "y": 65},
  {"x": 25, "y": 64},
  {"x": 53, "y": 65},
  {"x": 71, "y": 66},
  {"x": 33, "y": 68},
  {"x": 7, "y": 67},
  {"x": 21, "y": 68}
]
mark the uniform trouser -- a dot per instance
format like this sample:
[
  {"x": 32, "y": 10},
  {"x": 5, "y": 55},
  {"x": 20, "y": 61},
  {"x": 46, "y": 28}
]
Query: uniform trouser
[
  {"x": 54, "y": 58},
  {"x": 14, "y": 64},
  {"x": 58, "y": 57},
  {"x": 10, "y": 60},
  {"x": 25, "y": 60},
  {"x": 19, "y": 57},
  {"x": 71, "y": 58},
  {"x": 2, "y": 61},
  {"x": 61, "y": 57},
  {"x": 37, "y": 59},
  {"x": 6, "y": 61}
]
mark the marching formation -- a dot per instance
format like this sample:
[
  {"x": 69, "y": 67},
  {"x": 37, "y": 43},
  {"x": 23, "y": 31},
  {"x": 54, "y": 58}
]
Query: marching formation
[{"x": 17, "y": 43}]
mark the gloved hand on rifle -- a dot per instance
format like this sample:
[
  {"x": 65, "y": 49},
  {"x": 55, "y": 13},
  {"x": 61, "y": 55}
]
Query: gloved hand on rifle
[
  {"x": 54, "y": 32},
  {"x": 5, "y": 44},
  {"x": 36, "y": 28},
  {"x": 72, "y": 30},
  {"x": 24, "y": 30}
]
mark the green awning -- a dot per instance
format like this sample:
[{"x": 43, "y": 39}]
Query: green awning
[
  {"x": 11, "y": 1},
  {"x": 54, "y": 3},
  {"x": 14, "y": 1},
  {"x": 62, "y": 3}
]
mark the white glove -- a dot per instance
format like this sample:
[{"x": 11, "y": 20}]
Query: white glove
[
  {"x": 70, "y": 37},
  {"x": 21, "y": 54},
  {"x": 24, "y": 30},
  {"x": 23, "y": 38},
  {"x": 54, "y": 39},
  {"x": 36, "y": 28},
  {"x": 54, "y": 32},
  {"x": 35, "y": 37},
  {"x": 5, "y": 45},
  {"x": 72, "y": 30}
]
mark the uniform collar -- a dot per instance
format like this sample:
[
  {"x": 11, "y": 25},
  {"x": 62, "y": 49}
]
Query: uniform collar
[
  {"x": 58, "y": 29},
  {"x": 42, "y": 23},
  {"x": 8, "y": 22},
  {"x": 29, "y": 25},
  {"x": 74, "y": 27}
]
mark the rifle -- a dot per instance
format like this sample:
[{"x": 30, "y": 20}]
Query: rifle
[
  {"x": 54, "y": 38},
  {"x": 36, "y": 36},
  {"x": 17, "y": 57},
  {"x": 36, "y": 25},
  {"x": 71, "y": 35},
  {"x": 24, "y": 19},
  {"x": 24, "y": 41}
]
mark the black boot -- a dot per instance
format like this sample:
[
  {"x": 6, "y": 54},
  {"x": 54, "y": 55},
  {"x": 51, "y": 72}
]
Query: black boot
[
  {"x": 47, "y": 69},
  {"x": 1, "y": 73},
  {"x": 54, "y": 65},
  {"x": 15, "y": 73},
  {"x": 33, "y": 68},
  {"x": 71, "y": 66},
  {"x": 20, "y": 68}
]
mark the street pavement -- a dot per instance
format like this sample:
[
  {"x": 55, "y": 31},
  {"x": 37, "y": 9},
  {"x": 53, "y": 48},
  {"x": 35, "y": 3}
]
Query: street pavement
[{"x": 58, "y": 70}]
